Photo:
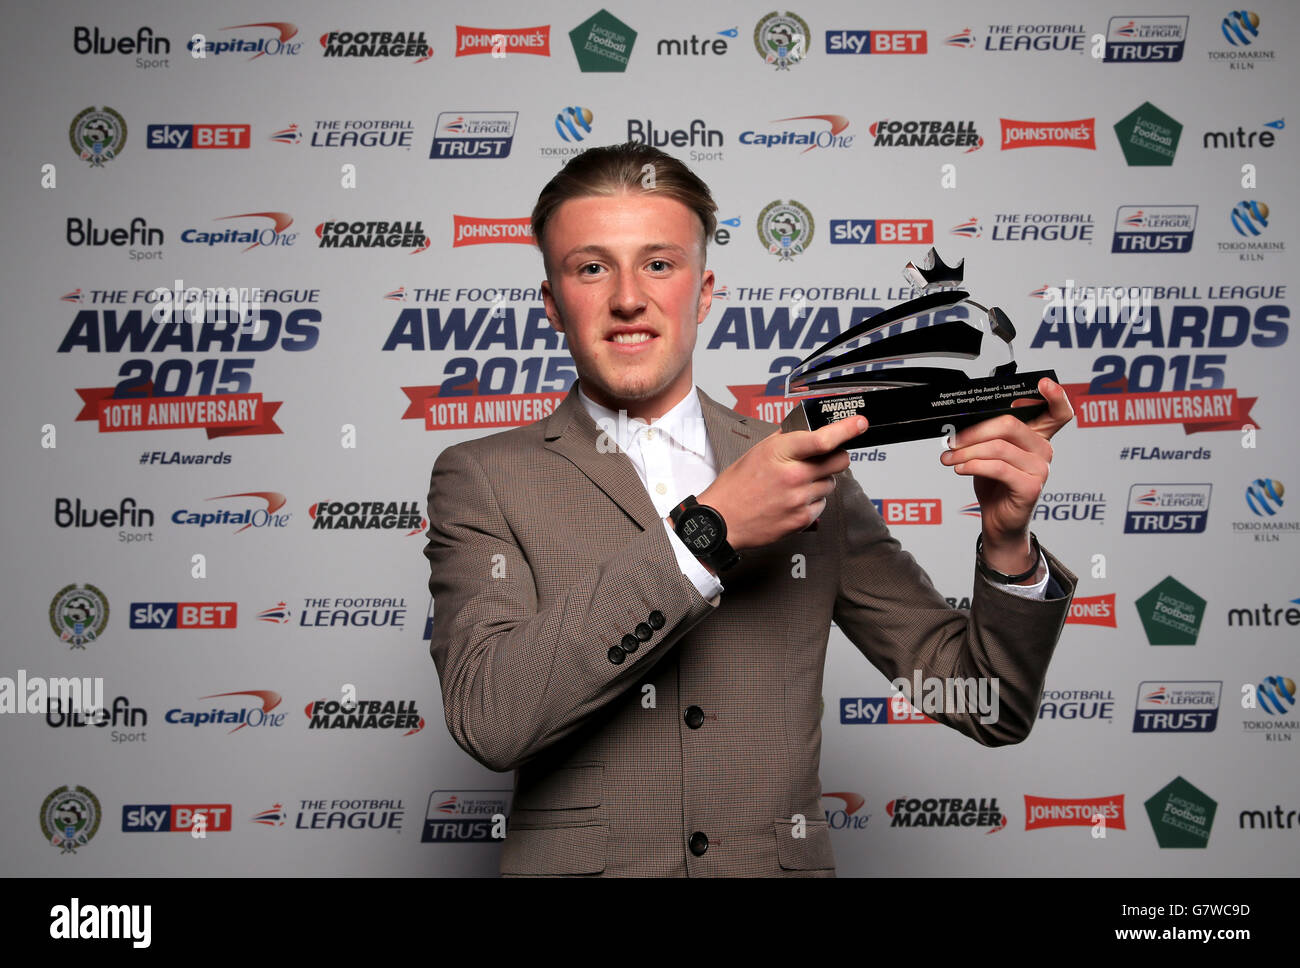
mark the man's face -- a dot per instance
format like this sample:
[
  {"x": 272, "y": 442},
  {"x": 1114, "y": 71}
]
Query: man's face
[{"x": 626, "y": 285}]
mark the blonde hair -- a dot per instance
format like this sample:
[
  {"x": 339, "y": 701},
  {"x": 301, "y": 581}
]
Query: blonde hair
[{"x": 629, "y": 167}]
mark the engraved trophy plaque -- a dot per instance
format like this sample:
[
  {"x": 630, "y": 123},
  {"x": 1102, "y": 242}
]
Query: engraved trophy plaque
[{"x": 915, "y": 402}]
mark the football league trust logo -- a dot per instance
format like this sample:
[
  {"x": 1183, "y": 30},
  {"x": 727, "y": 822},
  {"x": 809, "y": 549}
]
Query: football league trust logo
[
  {"x": 785, "y": 229},
  {"x": 78, "y": 614},
  {"x": 98, "y": 135},
  {"x": 69, "y": 818}
]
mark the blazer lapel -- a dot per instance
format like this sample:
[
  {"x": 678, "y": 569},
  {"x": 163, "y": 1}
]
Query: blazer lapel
[
  {"x": 730, "y": 434},
  {"x": 572, "y": 433}
]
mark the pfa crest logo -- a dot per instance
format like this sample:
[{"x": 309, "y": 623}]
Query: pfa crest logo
[
  {"x": 78, "y": 614},
  {"x": 782, "y": 39},
  {"x": 69, "y": 818},
  {"x": 98, "y": 135},
  {"x": 785, "y": 228}
]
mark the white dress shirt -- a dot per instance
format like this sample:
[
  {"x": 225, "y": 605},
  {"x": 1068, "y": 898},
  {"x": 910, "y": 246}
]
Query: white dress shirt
[{"x": 674, "y": 459}]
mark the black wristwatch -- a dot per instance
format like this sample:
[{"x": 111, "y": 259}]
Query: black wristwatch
[{"x": 703, "y": 531}]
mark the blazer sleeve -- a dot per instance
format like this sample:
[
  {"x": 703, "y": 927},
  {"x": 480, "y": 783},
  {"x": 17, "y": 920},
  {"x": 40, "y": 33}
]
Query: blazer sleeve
[
  {"x": 517, "y": 677},
  {"x": 890, "y": 610}
]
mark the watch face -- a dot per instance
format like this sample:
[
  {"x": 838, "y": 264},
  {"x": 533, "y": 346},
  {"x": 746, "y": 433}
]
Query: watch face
[{"x": 699, "y": 529}]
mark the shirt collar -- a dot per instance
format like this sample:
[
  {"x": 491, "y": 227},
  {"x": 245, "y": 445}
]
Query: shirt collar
[{"x": 684, "y": 423}]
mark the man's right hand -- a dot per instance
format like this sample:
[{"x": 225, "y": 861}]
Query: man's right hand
[{"x": 781, "y": 484}]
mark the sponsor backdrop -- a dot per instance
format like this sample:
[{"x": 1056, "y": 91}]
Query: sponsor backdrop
[{"x": 218, "y": 509}]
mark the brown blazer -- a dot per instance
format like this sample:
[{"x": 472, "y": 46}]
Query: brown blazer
[{"x": 558, "y": 602}]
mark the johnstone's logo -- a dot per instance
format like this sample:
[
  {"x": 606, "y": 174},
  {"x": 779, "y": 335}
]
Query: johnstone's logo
[
  {"x": 468, "y": 230},
  {"x": 378, "y": 714},
  {"x": 186, "y": 136},
  {"x": 70, "y": 817},
  {"x": 176, "y": 818},
  {"x": 502, "y": 41},
  {"x": 889, "y": 133},
  {"x": 79, "y": 614},
  {"x": 785, "y": 228},
  {"x": 256, "y": 517},
  {"x": 367, "y": 516},
  {"x": 97, "y": 135},
  {"x": 1167, "y": 508},
  {"x": 1095, "y": 610},
  {"x": 805, "y": 135},
  {"x": 946, "y": 812},
  {"x": 257, "y": 44},
  {"x": 474, "y": 134},
  {"x": 373, "y": 235},
  {"x": 1077, "y": 704},
  {"x": 782, "y": 39},
  {"x": 1043, "y": 812},
  {"x": 1049, "y": 134},
  {"x": 1143, "y": 229},
  {"x": 882, "y": 231},
  {"x": 252, "y": 710},
  {"x": 249, "y": 236},
  {"x": 383, "y": 44},
  {"x": 1131, "y": 40},
  {"x": 1177, "y": 707},
  {"x": 876, "y": 42},
  {"x": 466, "y": 816}
]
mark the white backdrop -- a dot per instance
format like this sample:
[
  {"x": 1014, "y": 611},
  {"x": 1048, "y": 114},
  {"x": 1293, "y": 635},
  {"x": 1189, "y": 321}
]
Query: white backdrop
[{"x": 279, "y": 138}]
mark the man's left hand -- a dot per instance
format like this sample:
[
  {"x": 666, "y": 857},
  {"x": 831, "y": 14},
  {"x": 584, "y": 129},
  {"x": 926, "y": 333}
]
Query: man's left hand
[{"x": 1009, "y": 460}]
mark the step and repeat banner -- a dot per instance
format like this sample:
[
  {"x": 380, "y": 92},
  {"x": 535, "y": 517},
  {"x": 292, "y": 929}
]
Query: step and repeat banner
[{"x": 264, "y": 261}]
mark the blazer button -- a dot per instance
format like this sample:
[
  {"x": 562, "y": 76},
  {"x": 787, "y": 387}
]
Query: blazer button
[
  {"x": 630, "y": 643},
  {"x": 694, "y": 717},
  {"x": 616, "y": 655},
  {"x": 643, "y": 631},
  {"x": 699, "y": 843},
  {"x": 656, "y": 620}
]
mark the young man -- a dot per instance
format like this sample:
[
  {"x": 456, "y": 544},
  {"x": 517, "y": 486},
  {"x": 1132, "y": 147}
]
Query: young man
[{"x": 618, "y": 616}]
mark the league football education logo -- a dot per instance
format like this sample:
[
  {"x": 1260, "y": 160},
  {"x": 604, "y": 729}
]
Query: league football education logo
[
  {"x": 78, "y": 614},
  {"x": 69, "y": 818},
  {"x": 97, "y": 135},
  {"x": 782, "y": 39},
  {"x": 785, "y": 229}
]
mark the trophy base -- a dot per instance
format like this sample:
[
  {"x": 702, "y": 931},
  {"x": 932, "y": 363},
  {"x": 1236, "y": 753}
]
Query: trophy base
[{"x": 934, "y": 408}]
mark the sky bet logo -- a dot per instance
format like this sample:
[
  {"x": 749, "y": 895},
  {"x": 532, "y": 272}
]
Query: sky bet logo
[
  {"x": 882, "y": 231},
  {"x": 183, "y": 615},
  {"x": 199, "y": 135},
  {"x": 162, "y": 818},
  {"x": 876, "y": 710},
  {"x": 875, "y": 42},
  {"x": 909, "y": 510}
]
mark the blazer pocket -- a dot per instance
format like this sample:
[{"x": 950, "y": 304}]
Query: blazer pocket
[
  {"x": 811, "y": 852},
  {"x": 556, "y": 850},
  {"x": 569, "y": 796}
]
